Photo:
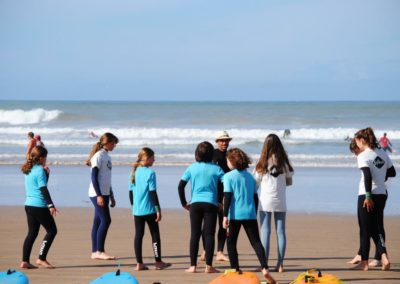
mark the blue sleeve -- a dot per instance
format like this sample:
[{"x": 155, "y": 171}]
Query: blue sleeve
[
  {"x": 187, "y": 174},
  {"x": 227, "y": 188},
  {"x": 95, "y": 180},
  {"x": 42, "y": 179},
  {"x": 152, "y": 181}
]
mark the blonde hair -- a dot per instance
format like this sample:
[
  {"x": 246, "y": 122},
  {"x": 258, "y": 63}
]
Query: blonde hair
[
  {"x": 34, "y": 156},
  {"x": 143, "y": 155},
  {"x": 104, "y": 139}
]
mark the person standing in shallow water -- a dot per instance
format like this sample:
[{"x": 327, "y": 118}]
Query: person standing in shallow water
[
  {"x": 39, "y": 208},
  {"x": 31, "y": 144},
  {"x": 101, "y": 193}
]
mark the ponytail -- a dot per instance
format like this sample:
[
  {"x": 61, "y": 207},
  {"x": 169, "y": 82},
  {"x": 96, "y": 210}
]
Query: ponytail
[
  {"x": 143, "y": 155},
  {"x": 368, "y": 135},
  {"x": 104, "y": 139}
]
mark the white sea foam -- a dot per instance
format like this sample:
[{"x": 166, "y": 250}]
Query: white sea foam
[
  {"x": 33, "y": 116},
  {"x": 136, "y": 136}
]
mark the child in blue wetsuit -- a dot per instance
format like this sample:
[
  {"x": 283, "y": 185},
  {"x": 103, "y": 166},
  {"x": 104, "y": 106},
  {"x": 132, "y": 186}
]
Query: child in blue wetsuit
[
  {"x": 146, "y": 207},
  {"x": 240, "y": 201},
  {"x": 204, "y": 177},
  {"x": 39, "y": 208}
]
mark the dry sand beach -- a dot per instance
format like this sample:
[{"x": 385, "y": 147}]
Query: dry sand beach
[{"x": 317, "y": 240}]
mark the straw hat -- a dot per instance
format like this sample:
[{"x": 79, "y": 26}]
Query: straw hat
[{"x": 222, "y": 135}]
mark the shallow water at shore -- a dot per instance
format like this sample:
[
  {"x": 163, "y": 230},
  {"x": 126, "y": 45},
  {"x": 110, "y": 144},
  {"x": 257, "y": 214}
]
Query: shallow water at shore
[{"x": 314, "y": 190}]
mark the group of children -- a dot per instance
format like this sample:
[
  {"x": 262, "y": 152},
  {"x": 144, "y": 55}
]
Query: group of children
[{"x": 220, "y": 186}]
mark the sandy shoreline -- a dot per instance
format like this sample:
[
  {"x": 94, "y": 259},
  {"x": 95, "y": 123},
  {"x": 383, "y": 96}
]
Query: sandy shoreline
[{"x": 317, "y": 240}]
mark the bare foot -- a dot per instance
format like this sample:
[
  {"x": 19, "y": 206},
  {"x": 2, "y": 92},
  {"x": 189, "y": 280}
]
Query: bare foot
[
  {"x": 44, "y": 263},
  {"x": 27, "y": 265},
  {"x": 140, "y": 267},
  {"x": 385, "y": 262},
  {"x": 221, "y": 257},
  {"x": 355, "y": 260},
  {"x": 191, "y": 269},
  {"x": 268, "y": 276},
  {"x": 280, "y": 269},
  {"x": 93, "y": 255},
  {"x": 103, "y": 256},
  {"x": 210, "y": 269},
  {"x": 374, "y": 263},
  {"x": 203, "y": 256},
  {"x": 162, "y": 265},
  {"x": 363, "y": 265}
]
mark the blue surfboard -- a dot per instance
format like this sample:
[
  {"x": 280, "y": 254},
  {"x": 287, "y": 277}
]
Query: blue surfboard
[
  {"x": 116, "y": 278},
  {"x": 13, "y": 277}
]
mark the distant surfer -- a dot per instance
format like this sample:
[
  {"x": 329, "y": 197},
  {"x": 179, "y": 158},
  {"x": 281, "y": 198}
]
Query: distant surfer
[
  {"x": 93, "y": 135},
  {"x": 286, "y": 133}
]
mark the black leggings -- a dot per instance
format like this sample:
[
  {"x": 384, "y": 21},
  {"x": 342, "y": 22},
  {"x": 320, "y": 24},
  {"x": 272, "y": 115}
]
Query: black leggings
[
  {"x": 371, "y": 225},
  {"x": 251, "y": 228},
  {"x": 221, "y": 235},
  {"x": 37, "y": 216},
  {"x": 381, "y": 228},
  {"x": 140, "y": 222},
  {"x": 200, "y": 211}
]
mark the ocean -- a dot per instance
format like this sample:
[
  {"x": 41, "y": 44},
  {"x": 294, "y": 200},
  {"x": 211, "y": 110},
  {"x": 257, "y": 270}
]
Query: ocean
[
  {"x": 173, "y": 129},
  {"x": 326, "y": 175}
]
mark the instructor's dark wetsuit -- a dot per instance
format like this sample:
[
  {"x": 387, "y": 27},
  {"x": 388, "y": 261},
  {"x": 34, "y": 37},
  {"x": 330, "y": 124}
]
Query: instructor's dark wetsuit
[{"x": 219, "y": 158}]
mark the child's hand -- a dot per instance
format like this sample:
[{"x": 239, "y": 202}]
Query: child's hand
[
  {"x": 100, "y": 201},
  {"x": 225, "y": 223},
  {"x": 187, "y": 206},
  {"x": 53, "y": 211},
  {"x": 158, "y": 219}
]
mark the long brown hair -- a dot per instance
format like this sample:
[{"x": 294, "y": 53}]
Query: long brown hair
[
  {"x": 36, "y": 153},
  {"x": 273, "y": 150},
  {"x": 368, "y": 135},
  {"x": 143, "y": 155},
  {"x": 104, "y": 139}
]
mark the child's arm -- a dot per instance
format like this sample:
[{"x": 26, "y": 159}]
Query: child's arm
[
  {"x": 131, "y": 197},
  {"x": 390, "y": 172},
  {"x": 181, "y": 191}
]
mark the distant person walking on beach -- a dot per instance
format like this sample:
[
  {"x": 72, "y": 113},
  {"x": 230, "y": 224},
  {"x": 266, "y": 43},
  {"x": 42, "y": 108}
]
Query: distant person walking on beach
[
  {"x": 222, "y": 139},
  {"x": 273, "y": 172},
  {"x": 31, "y": 144},
  {"x": 385, "y": 143},
  {"x": 146, "y": 207},
  {"x": 101, "y": 193},
  {"x": 204, "y": 177},
  {"x": 39, "y": 208},
  {"x": 240, "y": 209},
  {"x": 376, "y": 167}
]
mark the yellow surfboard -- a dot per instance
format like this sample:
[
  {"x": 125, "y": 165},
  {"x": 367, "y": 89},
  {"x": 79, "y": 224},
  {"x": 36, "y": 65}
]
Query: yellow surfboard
[{"x": 315, "y": 276}]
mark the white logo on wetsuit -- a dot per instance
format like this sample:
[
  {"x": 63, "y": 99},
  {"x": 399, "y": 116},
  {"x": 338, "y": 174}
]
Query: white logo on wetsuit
[{"x": 378, "y": 162}]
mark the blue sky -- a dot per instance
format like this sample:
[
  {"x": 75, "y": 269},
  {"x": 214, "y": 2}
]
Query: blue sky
[{"x": 200, "y": 50}]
